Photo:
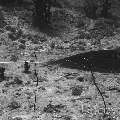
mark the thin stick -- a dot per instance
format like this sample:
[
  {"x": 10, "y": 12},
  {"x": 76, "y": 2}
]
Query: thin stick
[{"x": 36, "y": 74}]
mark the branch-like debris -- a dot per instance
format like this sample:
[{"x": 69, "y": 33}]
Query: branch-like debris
[{"x": 26, "y": 67}]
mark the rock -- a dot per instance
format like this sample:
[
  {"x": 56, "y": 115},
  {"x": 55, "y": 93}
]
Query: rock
[{"x": 77, "y": 90}]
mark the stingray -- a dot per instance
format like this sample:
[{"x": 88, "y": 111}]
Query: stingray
[{"x": 103, "y": 61}]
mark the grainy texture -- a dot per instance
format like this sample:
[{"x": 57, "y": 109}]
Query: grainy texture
[{"x": 55, "y": 82}]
